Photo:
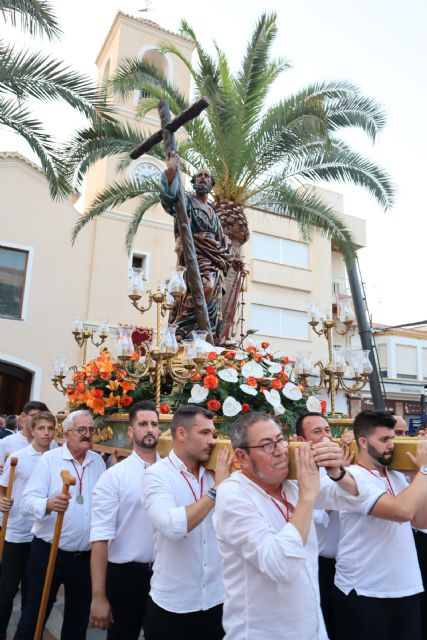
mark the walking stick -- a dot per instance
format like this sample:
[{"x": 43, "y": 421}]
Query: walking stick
[
  {"x": 13, "y": 463},
  {"x": 67, "y": 480}
]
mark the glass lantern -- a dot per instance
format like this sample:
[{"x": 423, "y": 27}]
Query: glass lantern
[
  {"x": 177, "y": 286},
  {"x": 124, "y": 345}
]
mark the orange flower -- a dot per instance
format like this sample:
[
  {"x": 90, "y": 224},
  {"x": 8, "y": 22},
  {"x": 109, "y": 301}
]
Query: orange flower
[
  {"x": 213, "y": 405},
  {"x": 276, "y": 384},
  {"x": 111, "y": 401},
  {"x": 98, "y": 393},
  {"x": 212, "y": 355},
  {"x": 164, "y": 408},
  {"x": 134, "y": 356},
  {"x": 324, "y": 406},
  {"x": 195, "y": 377},
  {"x": 210, "y": 370},
  {"x": 251, "y": 349},
  {"x": 252, "y": 382},
  {"x": 211, "y": 382},
  {"x": 285, "y": 360},
  {"x": 229, "y": 355},
  {"x": 113, "y": 385},
  {"x": 301, "y": 386},
  {"x": 264, "y": 345},
  {"x": 125, "y": 401},
  {"x": 105, "y": 375},
  {"x": 80, "y": 387},
  {"x": 105, "y": 366},
  {"x": 258, "y": 357},
  {"x": 97, "y": 406},
  {"x": 269, "y": 356},
  {"x": 245, "y": 407},
  {"x": 127, "y": 386}
]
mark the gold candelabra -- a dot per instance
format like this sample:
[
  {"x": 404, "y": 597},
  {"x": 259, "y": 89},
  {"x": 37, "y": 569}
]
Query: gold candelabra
[
  {"x": 332, "y": 375},
  {"x": 82, "y": 334},
  {"x": 59, "y": 373}
]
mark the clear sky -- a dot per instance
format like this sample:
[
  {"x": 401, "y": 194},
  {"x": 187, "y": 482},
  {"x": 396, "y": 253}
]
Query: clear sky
[{"x": 380, "y": 45}]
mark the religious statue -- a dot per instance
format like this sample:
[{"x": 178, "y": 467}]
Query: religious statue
[{"x": 214, "y": 252}]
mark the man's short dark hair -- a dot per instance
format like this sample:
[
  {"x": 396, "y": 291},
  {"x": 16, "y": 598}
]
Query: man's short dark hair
[
  {"x": 11, "y": 423},
  {"x": 143, "y": 405},
  {"x": 43, "y": 415},
  {"x": 239, "y": 430},
  {"x": 366, "y": 422},
  {"x": 34, "y": 405},
  {"x": 299, "y": 425},
  {"x": 185, "y": 414}
]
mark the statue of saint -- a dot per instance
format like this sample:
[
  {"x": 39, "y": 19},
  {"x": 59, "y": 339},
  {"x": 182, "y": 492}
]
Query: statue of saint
[{"x": 215, "y": 255}]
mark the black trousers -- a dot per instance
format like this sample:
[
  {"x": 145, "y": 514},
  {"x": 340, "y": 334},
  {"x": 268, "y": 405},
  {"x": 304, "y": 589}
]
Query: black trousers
[
  {"x": 73, "y": 571},
  {"x": 128, "y": 585},
  {"x": 14, "y": 572},
  {"x": 326, "y": 588},
  {"x": 163, "y": 625},
  {"x": 421, "y": 545},
  {"x": 360, "y": 617}
]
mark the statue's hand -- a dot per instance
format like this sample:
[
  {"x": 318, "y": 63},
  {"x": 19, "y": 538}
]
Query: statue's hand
[{"x": 172, "y": 161}]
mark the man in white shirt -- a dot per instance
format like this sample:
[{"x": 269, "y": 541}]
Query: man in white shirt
[
  {"x": 266, "y": 534},
  {"x": 179, "y": 494},
  {"x": 377, "y": 574},
  {"x": 121, "y": 535},
  {"x": 41, "y": 500},
  {"x": 22, "y": 437},
  {"x": 18, "y": 534}
]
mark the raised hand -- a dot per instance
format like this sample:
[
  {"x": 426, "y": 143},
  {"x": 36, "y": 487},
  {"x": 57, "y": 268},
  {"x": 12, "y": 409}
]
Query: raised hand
[
  {"x": 307, "y": 473},
  {"x": 223, "y": 465}
]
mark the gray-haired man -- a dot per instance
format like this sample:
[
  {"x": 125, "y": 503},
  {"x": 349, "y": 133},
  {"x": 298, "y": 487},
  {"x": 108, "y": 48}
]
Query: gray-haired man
[{"x": 41, "y": 500}]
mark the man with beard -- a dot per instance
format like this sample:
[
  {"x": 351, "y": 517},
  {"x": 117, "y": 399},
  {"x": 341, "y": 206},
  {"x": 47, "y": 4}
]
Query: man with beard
[
  {"x": 41, "y": 500},
  {"x": 214, "y": 251},
  {"x": 377, "y": 574},
  {"x": 179, "y": 494},
  {"x": 121, "y": 535}
]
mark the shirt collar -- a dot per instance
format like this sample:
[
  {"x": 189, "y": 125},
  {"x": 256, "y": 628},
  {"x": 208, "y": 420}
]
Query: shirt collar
[
  {"x": 146, "y": 464},
  {"x": 32, "y": 451},
  {"x": 67, "y": 455},
  {"x": 178, "y": 464}
]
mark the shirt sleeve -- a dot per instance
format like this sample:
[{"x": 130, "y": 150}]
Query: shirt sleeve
[
  {"x": 243, "y": 527},
  {"x": 333, "y": 496},
  {"x": 4, "y": 478},
  {"x": 34, "y": 498},
  {"x": 105, "y": 508},
  {"x": 320, "y": 517},
  {"x": 160, "y": 504},
  {"x": 168, "y": 193}
]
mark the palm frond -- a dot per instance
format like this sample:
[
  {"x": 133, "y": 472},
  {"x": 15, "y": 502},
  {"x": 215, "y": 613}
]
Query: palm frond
[
  {"x": 144, "y": 205},
  {"x": 21, "y": 121},
  {"x": 115, "y": 195},
  {"x": 36, "y": 17},
  {"x": 34, "y": 75}
]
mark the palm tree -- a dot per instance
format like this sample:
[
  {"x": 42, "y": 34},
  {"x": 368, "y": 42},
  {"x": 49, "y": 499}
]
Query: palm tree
[
  {"x": 25, "y": 74},
  {"x": 262, "y": 156}
]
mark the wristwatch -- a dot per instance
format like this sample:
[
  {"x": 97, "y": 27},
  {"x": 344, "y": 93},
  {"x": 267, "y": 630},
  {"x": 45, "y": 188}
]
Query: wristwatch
[
  {"x": 423, "y": 469},
  {"x": 343, "y": 472},
  {"x": 211, "y": 493}
]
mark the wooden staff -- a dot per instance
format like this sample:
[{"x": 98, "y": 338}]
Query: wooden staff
[
  {"x": 67, "y": 480},
  {"x": 13, "y": 463}
]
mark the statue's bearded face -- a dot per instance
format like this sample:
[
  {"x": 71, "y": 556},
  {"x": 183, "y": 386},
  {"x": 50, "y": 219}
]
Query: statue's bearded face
[{"x": 202, "y": 181}]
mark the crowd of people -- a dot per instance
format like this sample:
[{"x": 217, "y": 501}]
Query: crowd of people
[{"x": 176, "y": 550}]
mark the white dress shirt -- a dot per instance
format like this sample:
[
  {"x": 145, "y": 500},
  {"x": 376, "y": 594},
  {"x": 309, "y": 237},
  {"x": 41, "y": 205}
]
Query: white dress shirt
[
  {"x": 270, "y": 576},
  {"x": 327, "y": 529},
  {"x": 376, "y": 557},
  {"x": 118, "y": 515},
  {"x": 15, "y": 442},
  {"x": 187, "y": 572},
  {"x": 46, "y": 482},
  {"x": 19, "y": 527}
]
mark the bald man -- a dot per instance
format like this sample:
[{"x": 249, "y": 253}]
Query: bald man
[{"x": 401, "y": 427}]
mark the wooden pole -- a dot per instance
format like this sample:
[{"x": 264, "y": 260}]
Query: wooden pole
[
  {"x": 13, "y": 463},
  {"x": 67, "y": 480}
]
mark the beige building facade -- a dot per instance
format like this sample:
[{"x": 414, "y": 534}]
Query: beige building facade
[{"x": 45, "y": 281}]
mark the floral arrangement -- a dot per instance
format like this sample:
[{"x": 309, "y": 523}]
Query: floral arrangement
[
  {"x": 101, "y": 386},
  {"x": 235, "y": 382}
]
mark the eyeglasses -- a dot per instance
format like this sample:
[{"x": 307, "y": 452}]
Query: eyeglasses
[
  {"x": 83, "y": 430},
  {"x": 269, "y": 447}
]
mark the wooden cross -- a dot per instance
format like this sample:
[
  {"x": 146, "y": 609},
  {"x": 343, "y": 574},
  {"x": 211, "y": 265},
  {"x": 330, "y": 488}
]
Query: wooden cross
[{"x": 166, "y": 133}]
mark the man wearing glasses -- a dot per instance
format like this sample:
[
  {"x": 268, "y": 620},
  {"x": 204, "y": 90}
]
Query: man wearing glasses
[
  {"x": 266, "y": 536},
  {"x": 42, "y": 500},
  {"x": 18, "y": 535}
]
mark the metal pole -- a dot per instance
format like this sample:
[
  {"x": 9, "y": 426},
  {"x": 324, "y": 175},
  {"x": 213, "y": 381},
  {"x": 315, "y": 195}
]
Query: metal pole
[{"x": 365, "y": 333}]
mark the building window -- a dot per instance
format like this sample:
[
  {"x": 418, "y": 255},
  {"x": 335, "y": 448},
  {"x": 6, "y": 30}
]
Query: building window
[
  {"x": 13, "y": 271},
  {"x": 284, "y": 323},
  {"x": 382, "y": 357},
  {"x": 424, "y": 364},
  {"x": 140, "y": 260},
  {"x": 406, "y": 362},
  {"x": 280, "y": 250}
]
